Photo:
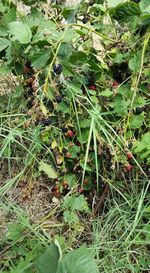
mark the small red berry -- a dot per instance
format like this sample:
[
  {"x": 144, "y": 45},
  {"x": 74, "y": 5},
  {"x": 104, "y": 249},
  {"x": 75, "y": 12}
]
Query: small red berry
[
  {"x": 68, "y": 155},
  {"x": 70, "y": 133},
  {"x": 56, "y": 188},
  {"x": 65, "y": 185},
  {"x": 128, "y": 167},
  {"x": 115, "y": 84},
  {"x": 93, "y": 87},
  {"x": 56, "y": 193},
  {"x": 81, "y": 190},
  {"x": 85, "y": 182},
  {"x": 129, "y": 156}
]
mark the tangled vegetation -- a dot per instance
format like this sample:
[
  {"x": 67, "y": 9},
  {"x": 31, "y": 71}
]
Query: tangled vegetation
[{"x": 74, "y": 136}]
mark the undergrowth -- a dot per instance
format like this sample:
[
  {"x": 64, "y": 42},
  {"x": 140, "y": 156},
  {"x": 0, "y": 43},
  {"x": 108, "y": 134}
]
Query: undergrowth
[{"x": 74, "y": 136}]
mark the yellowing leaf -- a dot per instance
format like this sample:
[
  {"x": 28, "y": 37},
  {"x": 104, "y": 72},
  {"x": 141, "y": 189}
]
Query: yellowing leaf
[
  {"x": 43, "y": 108},
  {"x": 59, "y": 159},
  {"x": 47, "y": 169},
  {"x": 54, "y": 144}
]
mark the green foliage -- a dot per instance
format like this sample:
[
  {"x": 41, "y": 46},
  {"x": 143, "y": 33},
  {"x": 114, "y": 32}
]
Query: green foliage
[
  {"x": 78, "y": 119},
  {"x": 135, "y": 62},
  {"x": 47, "y": 169},
  {"x": 142, "y": 147},
  {"x": 145, "y": 6},
  {"x": 20, "y": 32},
  {"x": 114, "y": 3},
  {"x": 128, "y": 12},
  {"x": 4, "y": 43},
  {"x": 48, "y": 262},
  {"x": 77, "y": 261},
  {"x": 72, "y": 205}
]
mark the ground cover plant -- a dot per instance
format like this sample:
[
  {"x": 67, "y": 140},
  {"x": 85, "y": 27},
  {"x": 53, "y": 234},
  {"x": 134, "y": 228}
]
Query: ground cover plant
[{"x": 74, "y": 136}]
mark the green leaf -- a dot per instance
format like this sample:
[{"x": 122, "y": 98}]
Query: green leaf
[
  {"x": 3, "y": 28},
  {"x": 47, "y": 169},
  {"x": 145, "y": 6},
  {"x": 127, "y": 12},
  {"x": 2, "y": 8},
  {"x": 69, "y": 36},
  {"x": 85, "y": 123},
  {"x": 75, "y": 203},
  {"x": 135, "y": 62},
  {"x": 63, "y": 107},
  {"x": 39, "y": 59},
  {"x": 114, "y": 3},
  {"x": 75, "y": 88},
  {"x": 137, "y": 121},
  {"x": 4, "y": 43},
  {"x": 20, "y": 32},
  {"x": 119, "y": 58},
  {"x": 71, "y": 180},
  {"x": 48, "y": 262},
  {"x": 144, "y": 143},
  {"x": 145, "y": 20},
  {"x": 78, "y": 261},
  {"x": 106, "y": 93},
  {"x": 70, "y": 217},
  {"x": 65, "y": 51}
]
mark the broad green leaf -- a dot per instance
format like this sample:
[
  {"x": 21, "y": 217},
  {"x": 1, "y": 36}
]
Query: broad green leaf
[
  {"x": 85, "y": 123},
  {"x": 2, "y": 8},
  {"x": 106, "y": 93},
  {"x": 74, "y": 150},
  {"x": 114, "y": 3},
  {"x": 4, "y": 70},
  {"x": 65, "y": 51},
  {"x": 70, "y": 217},
  {"x": 47, "y": 169},
  {"x": 119, "y": 58},
  {"x": 75, "y": 203},
  {"x": 4, "y": 43},
  {"x": 10, "y": 16},
  {"x": 145, "y": 20},
  {"x": 78, "y": 261},
  {"x": 39, "y": 59},
  {"x": 69, "y": 36},
  {"x": 135, "y": 62},
  {"x": 144, "y": 143},
  {"x": 75, "y": 88},
  {"x": 20, "y": 32},
  {"x": 3, "y": 28},
  {"x": 71, "y": 180},
  {"x": 34, "y": 20},
  {"x": 127, "y": 12},
  {"x": 145, "y": 6},
  {"x": 48, "y": 262},
  {"x": 94, "y": 99},
  {"x": 137, "y": 121},
  {"x": 63, "y": 107}
]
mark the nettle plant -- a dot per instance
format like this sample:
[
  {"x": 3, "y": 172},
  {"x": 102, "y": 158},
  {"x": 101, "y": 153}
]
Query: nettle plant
[{"x": 84, "y": 83}]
